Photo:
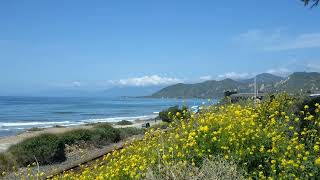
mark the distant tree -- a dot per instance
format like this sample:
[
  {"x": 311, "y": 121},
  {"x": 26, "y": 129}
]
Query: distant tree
[{"x": 313, "y": 2}]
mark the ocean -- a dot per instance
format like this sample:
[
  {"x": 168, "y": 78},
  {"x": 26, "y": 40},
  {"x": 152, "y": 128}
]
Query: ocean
[{"x": 18, "y": 114}]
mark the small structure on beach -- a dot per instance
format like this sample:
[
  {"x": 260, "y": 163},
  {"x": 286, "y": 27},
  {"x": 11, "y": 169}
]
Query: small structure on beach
[{"x": 145, "y": 125}]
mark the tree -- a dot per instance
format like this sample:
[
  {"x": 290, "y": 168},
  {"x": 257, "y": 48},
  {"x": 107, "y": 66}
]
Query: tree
[{"x": 313, "y": 2}]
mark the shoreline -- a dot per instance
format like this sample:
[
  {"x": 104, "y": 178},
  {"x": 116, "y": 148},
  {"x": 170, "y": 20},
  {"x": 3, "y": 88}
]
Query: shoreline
[{"x": 7, "y": 141}]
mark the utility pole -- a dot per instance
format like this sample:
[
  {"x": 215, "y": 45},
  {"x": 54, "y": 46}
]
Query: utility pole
[{"x": 255, "y": 88}]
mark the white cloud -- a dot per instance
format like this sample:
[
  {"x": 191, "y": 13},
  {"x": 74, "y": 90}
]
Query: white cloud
[
  {"x": 152, "y": 80},
  {"x": 234, "y": 75},
  {"x": 277, "y": 40},
  {"x": 255, "y": 36},
  {"x": 279, "y": 71},
  {"x": 206, "y": 78},
  {"x": 311, "y": 40},
  {"x": 296, "y": 66}
]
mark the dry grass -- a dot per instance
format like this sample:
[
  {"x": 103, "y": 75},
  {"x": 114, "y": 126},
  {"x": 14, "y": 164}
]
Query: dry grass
[{"x": 214, "y": 169}]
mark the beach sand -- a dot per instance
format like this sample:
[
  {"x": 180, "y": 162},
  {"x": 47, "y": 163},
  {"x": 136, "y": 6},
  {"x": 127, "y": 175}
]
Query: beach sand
[{"x": 6, "y": 142}]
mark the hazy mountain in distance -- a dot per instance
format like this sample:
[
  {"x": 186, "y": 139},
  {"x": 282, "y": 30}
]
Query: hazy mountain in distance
[{"x": 305, "y": 81}]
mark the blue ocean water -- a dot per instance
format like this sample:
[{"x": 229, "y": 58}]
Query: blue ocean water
[{"x": 20, "y": 113}]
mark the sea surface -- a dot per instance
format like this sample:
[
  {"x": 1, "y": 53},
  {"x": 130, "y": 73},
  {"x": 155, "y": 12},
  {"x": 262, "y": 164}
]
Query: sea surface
[{"x": 18, "y": 114}]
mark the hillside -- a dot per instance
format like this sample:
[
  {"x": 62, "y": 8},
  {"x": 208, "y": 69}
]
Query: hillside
[
  {"x": 300, "y": 81},
  {"x": 266, "y": 83}
]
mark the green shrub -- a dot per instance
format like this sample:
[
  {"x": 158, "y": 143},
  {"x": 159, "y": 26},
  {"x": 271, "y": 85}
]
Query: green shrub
[
  {"x": 104, "y": 133},
  {"x": 162, "y": 125},
  {"x": 101, "y": 134},
  {"x": 170, "y": 114},
  {"x": 130, "y": 131},
  {"x": 46, "y": 148},
  {"x": 75, "y": 136},
  {"x": 6, "y": 163},
  {"x": 216, "y": 168},
  {"x": 124, "y": 122},
  {"x": 35, "y": 129}
]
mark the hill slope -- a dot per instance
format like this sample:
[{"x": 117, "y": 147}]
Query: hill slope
[{"x": 266, "y": 83}]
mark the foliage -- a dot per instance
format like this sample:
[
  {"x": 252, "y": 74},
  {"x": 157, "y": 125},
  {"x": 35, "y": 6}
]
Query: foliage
[
  {"x": 104, "y": 133},
  {"x": 46, "y": 149},
  {"x": 124, "y": 122},
  {"x": 6, "y": 162},
  {"x": 214, "y": 168},
  {"x": 130, "y": 131},
  {"x": 49, "y": 148},
  {"x": 264, "y": 140},
  {"x": 169, "y": 114},
  {"x": 162, "y": 125},
  {"x": 77, "y": 135},
  {"x": 35, "y": 129}
]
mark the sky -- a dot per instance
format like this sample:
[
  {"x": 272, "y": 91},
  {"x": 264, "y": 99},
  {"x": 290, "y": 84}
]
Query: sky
[{"x": 97, "y": 44}]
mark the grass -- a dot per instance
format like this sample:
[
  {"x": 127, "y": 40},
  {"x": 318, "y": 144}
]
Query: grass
[
  {"x": 214, "y": 168},
  {"x": 35, "y": 129},
  {"x": 161, "y": 125},
  {"x": 45, "y": 148},
  {"x": 124, "y": 123}
]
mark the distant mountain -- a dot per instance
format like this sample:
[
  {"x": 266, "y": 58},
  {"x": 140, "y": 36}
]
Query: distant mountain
[
  {"x": 265, "y": 82},
  {"x": 300, "y": 81}
]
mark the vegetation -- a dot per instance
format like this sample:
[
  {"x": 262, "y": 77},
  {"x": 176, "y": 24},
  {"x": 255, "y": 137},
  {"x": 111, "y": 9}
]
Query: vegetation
[
  {"x": 45, "y": 149},
  {"x": 130, "y": 131},
  {"x": 169, "y": 114},
  {"x": 50, "y": 148},
  {"x": 162, "y": 125},
  {"x": 215, "y": 168},
  {"x": 300, "y": 82},
  {"x": 35, "y": 129},
  {"x": 264, "y": 140},
  {"x": 124, "y": 123}
]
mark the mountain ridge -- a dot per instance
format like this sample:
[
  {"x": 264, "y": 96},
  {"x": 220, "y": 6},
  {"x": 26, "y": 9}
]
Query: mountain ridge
[{"x": 296, "y": 82}]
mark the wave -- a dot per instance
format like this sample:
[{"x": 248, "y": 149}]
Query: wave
[
  {"x": 64, "y": 112},
  {"x": 116, "y": 119},
  {"x": 17, "y": 124},
  {"x": 23, "y": 125}
]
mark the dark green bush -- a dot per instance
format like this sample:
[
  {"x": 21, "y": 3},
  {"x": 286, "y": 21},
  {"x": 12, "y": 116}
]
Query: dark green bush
[
  {"x": 130, "y": 131},
  {"x": 162, "y": 125},
  {"x": 300, "y": 107},
  {"x": 77, "y": 135},
  {"x": 104, "y": 133},
  {"x": 46, "y": 148},
  {"x": 6, "y": 162},
  {"x": 124, "y": 122},
  {"x": 35, "y": 129},
  {"x": 170, "y": 114}
]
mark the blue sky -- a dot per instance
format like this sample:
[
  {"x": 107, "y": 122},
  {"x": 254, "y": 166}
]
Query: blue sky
[{"x": 93, "y": 45}]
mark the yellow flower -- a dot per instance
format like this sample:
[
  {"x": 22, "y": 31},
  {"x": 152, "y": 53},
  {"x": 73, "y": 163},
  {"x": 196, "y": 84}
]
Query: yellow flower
[
  {"x": 317, "y": 161},
  {"x": 204, "y": 129}
]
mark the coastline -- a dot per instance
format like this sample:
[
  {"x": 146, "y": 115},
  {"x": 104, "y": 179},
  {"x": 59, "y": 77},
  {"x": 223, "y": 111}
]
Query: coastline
[{"x": 7, "y": 141}]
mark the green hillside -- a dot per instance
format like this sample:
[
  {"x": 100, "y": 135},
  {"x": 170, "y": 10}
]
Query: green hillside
[{"x": 296, "y": 82}]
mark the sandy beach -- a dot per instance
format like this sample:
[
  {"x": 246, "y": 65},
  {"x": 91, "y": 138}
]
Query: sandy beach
[{"x": 6, "y": 142}]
